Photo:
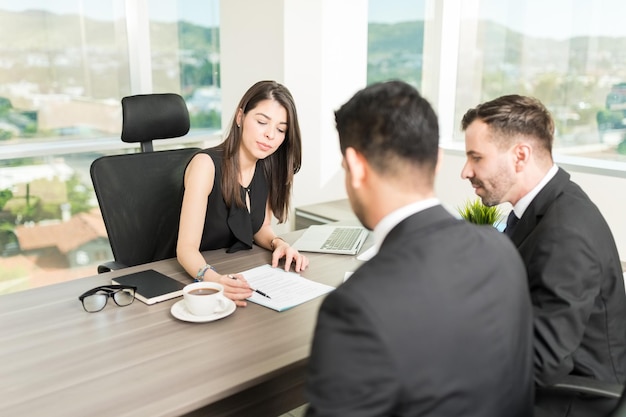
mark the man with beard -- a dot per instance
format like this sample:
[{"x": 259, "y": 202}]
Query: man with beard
[
  {"x": 574, "y": 271},
  {"x": 439, "y": 321}
]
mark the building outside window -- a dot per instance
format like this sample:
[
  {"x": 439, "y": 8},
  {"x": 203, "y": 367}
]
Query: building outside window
[
  {"x": 570, "y": 54},
  {"x": 64, "y": 67}
]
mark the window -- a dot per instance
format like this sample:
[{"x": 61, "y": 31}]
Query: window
[
  {"x": 571, "y": 54},
  {"x": 62, "y": 77},
  {"x": 395, "y": 41}
]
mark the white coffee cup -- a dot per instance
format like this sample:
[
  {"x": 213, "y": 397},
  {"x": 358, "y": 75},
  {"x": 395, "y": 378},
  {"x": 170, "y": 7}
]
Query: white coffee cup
[{"x": 205, "y": 298}]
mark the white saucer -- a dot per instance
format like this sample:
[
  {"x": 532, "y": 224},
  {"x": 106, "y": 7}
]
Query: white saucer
[{"x": 179, "y": 310}]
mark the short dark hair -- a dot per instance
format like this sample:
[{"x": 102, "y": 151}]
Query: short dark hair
[
  {"x": 513, "y": 115},
  {"x": 390, "y": 122}
]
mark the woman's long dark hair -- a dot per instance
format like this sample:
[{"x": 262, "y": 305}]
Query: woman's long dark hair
[{"x": 279, "y": 167}]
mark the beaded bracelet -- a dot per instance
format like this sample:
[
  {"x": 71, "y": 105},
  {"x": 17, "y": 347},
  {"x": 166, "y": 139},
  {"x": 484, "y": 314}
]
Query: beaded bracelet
[{"x": 202, "y": 271}]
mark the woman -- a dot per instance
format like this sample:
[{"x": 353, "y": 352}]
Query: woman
[{"x": 233, "y": 189}]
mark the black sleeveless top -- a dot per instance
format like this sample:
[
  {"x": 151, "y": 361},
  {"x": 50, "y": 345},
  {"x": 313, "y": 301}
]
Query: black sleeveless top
[{"x": 233, "y": 228}]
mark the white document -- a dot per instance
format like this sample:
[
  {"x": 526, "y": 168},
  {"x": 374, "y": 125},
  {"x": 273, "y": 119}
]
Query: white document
[{"x": 286, "y": 289}]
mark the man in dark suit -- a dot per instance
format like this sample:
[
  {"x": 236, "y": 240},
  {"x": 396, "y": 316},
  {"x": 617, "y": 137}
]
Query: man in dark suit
[
  {"x": 574, "y": 271},
  {"x": 439, "y": 321}
]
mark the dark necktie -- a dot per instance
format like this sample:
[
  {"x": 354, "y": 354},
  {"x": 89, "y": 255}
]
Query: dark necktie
[{"x": 511, "y": 222}]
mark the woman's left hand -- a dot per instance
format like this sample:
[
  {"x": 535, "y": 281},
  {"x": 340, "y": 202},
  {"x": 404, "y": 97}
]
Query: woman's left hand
[{"x": 284, "y": 250}]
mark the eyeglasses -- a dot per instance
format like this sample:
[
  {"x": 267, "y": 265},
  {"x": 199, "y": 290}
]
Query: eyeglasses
[{"x": 95, "y": 299}]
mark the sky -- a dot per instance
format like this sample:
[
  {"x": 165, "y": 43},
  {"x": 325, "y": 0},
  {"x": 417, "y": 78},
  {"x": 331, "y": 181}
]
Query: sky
[
  {"x": 559, "y": 19},
  {"x": 393, "y": 11},
  {"x": 202, "y": 12}
]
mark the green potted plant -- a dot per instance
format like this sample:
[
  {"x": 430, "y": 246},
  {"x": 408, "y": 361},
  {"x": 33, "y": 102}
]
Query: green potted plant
[{"x": 474, "y": 211}]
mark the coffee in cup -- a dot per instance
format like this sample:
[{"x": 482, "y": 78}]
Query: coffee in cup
[
  {"x": 205, "y": 298},
  {"x": 204, "y": 291}
]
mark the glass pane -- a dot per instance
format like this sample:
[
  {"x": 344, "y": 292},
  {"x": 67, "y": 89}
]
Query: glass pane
[
  {"x": 185, "y": 56},
  {"x": 395, "y": 40},
  {"x": 62, "y": 77},
  {"x": 51, "y": 229},
  {"x": 569, "y": 53},
  {"x": 64, "y": 70}
]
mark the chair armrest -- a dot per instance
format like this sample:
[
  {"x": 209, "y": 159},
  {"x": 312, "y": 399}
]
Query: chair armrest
[
  {"x": 586, "y": 385},
  {"x": 110, "y": 266}
]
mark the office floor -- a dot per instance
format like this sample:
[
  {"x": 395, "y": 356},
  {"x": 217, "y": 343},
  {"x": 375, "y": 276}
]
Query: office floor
[{"x": 296, "y": 412}]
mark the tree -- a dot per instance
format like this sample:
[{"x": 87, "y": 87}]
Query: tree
[
  {"x": 78, "y": 195},
  {"x": 5, "y": 196}
]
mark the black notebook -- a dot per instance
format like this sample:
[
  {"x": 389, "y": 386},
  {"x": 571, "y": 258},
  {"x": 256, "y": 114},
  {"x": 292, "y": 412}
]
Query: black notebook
[{"x": 152, "y": 286}]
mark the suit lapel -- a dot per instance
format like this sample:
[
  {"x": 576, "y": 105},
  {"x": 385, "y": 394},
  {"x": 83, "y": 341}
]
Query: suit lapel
[
  {"x": 539, "y": 206},
  {"x": 419, "y": 223}
]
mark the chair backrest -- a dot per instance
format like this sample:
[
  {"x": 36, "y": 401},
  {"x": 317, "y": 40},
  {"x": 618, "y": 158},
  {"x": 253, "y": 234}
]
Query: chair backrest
[
  {"x": 140, "y": 195},
  {"x": 591, "y": 388},
  {"x": 620, "y": 409},
  {"x": 147, "y": 117}
]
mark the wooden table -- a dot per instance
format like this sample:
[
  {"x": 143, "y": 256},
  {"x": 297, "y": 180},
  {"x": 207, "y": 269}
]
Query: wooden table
[{"x": 58, "y": 360}]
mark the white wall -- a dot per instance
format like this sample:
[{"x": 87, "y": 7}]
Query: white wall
[{"x": 318, "y": 49}]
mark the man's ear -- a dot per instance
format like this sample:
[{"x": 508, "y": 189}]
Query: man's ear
[
  {"x": 523, "y": 152},
  {"x": 356, "y": 165},
  {"x": 439, "y": 160}
]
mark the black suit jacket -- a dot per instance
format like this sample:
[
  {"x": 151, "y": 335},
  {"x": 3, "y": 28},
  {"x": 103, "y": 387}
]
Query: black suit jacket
[
  {"x": 577, "y": 290},
  {"x": 438, "y": 323}
]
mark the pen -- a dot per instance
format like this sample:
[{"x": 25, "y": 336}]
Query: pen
[{"x": 256, "y": 291}]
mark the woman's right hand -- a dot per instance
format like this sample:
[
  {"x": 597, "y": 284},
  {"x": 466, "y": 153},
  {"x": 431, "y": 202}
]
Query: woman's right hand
[{"x": 236, "y": 288}]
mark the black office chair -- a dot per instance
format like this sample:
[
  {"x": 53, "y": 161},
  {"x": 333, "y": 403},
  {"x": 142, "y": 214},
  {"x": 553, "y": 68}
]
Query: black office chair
[
  {"x": 620, "y": 408},
  {"x": 588, "y": 386},
  {"x": 140, "y": 194}
]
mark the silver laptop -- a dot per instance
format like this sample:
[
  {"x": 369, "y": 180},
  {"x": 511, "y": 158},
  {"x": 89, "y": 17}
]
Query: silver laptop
[{"x": 344, "y": 240}]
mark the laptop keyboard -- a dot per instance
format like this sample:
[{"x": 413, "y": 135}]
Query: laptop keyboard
[{"x": 342, "y": 238}]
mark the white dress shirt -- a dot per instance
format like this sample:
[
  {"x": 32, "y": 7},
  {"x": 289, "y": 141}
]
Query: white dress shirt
[
  {"x": 391, "y": 220},
  {"x": 525, "y": 201}
]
